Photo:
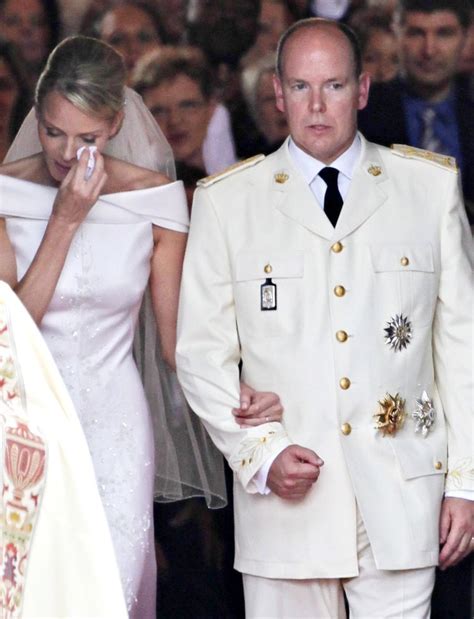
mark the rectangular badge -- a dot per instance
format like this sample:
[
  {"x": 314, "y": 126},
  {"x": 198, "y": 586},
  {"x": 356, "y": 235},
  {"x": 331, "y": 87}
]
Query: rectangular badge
[{"x": 268, "y": 296}]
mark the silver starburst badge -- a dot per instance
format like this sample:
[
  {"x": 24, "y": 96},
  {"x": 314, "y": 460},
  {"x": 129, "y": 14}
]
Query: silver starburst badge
[
  {"x": 398, "y": 332},
  {"x": 424, "y": 414}
]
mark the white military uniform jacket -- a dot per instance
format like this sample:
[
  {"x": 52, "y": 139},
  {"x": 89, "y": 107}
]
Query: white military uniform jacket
[{"x": 401, "y": 247}]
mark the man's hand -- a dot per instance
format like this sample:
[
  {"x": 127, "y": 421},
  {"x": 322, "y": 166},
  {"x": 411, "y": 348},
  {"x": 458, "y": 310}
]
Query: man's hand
[
  {"x": 455, "y": 531},
  {"x": 293, "y": 472}
]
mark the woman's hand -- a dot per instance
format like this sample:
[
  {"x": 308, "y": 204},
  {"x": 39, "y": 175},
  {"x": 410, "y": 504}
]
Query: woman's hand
[
  {"x": 76, "y": 195},
  {"x": 75, "y": 198},
  {"x": 257, "y": 407}
]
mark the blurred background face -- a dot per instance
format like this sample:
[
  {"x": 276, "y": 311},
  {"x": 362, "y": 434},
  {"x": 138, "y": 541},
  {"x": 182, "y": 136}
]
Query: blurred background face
[
  {"x": 271, "y": 122},
  {"x": 130, "y": 31},
  {"x": 9, "y": 91},
  {"x": 273, "y": 21},
  {"x": 24, "y": 23},
  {"x": 430, "y": 47},
  {"x": 223, "y": 29},
  {"x": 183, "y": 114},
  {"x": 466, "y": 61},
  {"x": 173, "y": 18},
  {"x": 380, "y": 57}
]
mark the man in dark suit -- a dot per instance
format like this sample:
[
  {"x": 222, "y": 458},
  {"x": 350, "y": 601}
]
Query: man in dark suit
[{"x": 428, "y": 106}]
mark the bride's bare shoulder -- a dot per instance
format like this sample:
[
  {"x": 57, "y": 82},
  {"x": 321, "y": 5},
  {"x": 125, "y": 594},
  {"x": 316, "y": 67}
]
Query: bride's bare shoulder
[
  {"x": 124, "y": 176},
  {"x": 27, "y": 169}
]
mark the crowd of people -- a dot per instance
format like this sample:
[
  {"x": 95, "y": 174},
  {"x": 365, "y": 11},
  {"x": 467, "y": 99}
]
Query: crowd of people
[
  {"x": 235, "y": 117},
  {"x": 205, "y": 72}
]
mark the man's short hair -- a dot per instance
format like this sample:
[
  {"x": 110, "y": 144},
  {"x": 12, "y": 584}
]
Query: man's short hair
[
  {"x": 317, "y": 22},
  {"x": 461, "y": 8}
]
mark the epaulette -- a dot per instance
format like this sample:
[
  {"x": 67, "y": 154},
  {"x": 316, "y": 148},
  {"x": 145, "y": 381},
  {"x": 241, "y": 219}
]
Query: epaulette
[
  {"x": 235, "y": 167},
  {"x": 411, "y": 152}
]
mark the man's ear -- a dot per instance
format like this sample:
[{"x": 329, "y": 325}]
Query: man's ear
[
  {"x": 278, "y": 88},
  {"x": 364, "y": 88},
  {"x": 117, "y": 123}
]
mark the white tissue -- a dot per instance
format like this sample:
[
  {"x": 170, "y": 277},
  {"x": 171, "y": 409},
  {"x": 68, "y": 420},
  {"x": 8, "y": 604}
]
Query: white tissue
[{"x": 90, "y": 161}]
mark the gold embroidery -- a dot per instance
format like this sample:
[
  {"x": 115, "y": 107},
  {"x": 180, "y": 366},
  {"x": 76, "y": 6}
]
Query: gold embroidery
[
  {"x": 23, "y": 456},
  {"x": 254, "y": 450},
  {"x": 281, "y": 177},
  {"x": 411, "y": 152},
  {"x": 235, "y": 167},
  {"x": 375, "y": 170},
  {"x": 461, "y": 474}
]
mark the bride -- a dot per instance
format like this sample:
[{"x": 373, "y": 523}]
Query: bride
[{"x": 82, "y": 235}]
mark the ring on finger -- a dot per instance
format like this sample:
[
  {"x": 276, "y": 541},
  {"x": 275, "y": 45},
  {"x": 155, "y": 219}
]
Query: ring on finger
[{"x": 267, "y": 419}]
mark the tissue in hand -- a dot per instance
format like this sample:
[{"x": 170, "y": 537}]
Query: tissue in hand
[{"x": 90, "y": 161}]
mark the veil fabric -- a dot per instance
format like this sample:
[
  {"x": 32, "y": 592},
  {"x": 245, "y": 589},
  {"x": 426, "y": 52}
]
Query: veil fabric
[
  {"x": 187, "y": 464},
  {"x": 140, "y": 140}
]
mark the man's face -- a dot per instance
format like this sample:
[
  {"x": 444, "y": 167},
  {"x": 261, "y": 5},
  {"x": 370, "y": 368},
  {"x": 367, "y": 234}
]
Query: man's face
[
  {"x": 430, "y": 47},
  {"x": 319, "y": 91},
  {"x": 128, "y": 29},
  {"x": 24, "y": 23},
  {"x": 183, "y": 114}
]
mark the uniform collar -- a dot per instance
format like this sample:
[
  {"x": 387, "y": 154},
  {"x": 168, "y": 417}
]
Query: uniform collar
[{"x": 310, "y": 167}]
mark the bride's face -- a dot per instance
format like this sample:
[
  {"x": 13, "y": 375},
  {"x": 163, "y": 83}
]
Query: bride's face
[{"x": 63, "y": 129}]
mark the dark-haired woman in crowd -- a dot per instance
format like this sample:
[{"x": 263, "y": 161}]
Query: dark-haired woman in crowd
[{"x": 32, "y": 26}]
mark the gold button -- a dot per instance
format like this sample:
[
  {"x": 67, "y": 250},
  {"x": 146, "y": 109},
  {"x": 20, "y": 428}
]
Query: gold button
[
  {"x": 438, "y": 465},
  {"x": 268, "y": 268},
  {"x": 339, "y": 291},
  {"x": 346, "y": 429},
  {"x": 337, "y": 247},
  {"x": 344, "y": 383},
  {"x": 341, "y": 336},
  {"x": 404, "y": 261}
]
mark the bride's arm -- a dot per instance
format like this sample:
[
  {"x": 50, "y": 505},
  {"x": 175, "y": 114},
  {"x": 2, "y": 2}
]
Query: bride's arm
[
  {"x": 165, "y": 280},
  {"x": 74, "y": 199},
  {"x": 7, "y": 257}
]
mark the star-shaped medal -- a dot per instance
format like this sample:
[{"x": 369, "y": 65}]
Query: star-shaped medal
[
  {"x": 391, "y": 414},
  {"x": 398, "y": 332},
  {"x": 424, "y": 414}
]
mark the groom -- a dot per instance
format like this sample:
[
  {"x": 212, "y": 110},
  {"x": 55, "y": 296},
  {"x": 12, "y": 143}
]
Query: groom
[{"x": 338, "y": 272}]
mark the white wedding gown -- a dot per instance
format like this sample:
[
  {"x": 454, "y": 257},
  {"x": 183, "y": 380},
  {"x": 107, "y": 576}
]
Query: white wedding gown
[{"x": 89, "y": 328}]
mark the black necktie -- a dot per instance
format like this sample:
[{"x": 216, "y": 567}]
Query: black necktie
[{"x": 332, "y": 198}]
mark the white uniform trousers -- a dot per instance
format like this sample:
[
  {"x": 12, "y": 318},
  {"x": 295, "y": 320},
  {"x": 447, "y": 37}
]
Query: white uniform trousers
[{"x": 373, "y": 594}]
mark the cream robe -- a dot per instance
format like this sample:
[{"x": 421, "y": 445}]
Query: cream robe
[
  {"x": 70, "y": 570},
  {"x": 265, "y": 214}
]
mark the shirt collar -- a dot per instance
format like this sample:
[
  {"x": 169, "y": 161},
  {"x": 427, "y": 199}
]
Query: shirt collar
[
  {"x": 444, "y": 109},
  {"x": 310, "y": 167}
]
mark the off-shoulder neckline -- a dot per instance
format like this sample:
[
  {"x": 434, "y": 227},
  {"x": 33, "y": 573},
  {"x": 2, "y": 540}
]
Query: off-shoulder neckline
[{"x": 50, "y": 188}]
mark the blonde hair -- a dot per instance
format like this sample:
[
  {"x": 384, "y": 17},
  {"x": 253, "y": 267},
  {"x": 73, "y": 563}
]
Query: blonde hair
[
  {"x": 250, "y": 79},
  {"x": 87, "y": 72}
]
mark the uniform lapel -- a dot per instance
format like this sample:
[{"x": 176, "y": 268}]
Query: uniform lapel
[
  {"x": 366, "y": 192},
  {"x": 293, "y": 197}
]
